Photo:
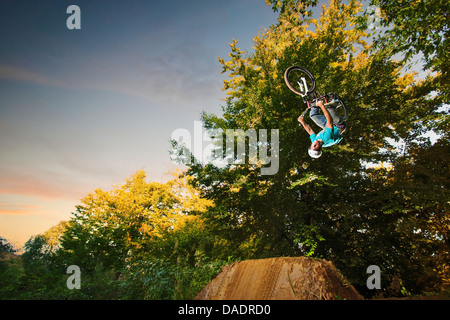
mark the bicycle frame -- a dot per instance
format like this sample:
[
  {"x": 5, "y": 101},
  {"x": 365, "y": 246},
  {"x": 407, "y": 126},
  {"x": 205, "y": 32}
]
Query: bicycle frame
[
  {"x": 309, "y": 94},
  {"x": 314, "y": 100}
]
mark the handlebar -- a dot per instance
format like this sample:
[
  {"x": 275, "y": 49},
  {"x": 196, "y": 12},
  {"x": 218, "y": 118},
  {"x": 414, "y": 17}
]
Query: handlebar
[
  {"x": 323, "y": 97},
  {"x": 319, "y": 98}
]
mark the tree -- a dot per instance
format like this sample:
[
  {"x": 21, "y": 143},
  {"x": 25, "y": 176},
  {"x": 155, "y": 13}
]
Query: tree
[
  {"x": 421, "y": 180},
  {"x": 141, "y": 240},
  {"x": 332, "y": 207},
  {"x": 53, "y": 236},
  {"x": 5, "y": 246},
  {"x": 257, "y": 98},
  {"x": 11, "y": 270},
  {"x": 418, "y": 27},
  {"x": 114, "y": 227}
]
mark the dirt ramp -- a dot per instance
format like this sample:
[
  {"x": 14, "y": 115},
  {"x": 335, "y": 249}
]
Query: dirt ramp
[{"x": 287, "y": 278}]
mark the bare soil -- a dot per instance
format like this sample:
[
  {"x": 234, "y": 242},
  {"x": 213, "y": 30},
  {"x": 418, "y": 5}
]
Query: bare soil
[{"x": 286, "y": 278}]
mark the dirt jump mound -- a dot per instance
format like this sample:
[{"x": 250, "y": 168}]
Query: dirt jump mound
[{"x": 297, "y": 278}]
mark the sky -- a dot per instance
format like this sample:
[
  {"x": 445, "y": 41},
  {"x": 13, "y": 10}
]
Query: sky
[{"x": 86, "y": 108}]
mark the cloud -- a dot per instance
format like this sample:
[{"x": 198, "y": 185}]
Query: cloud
[
  {"x": 49, "y": 187},
  {"x": 184, "y": 72},
  {"x": 177, "y": 76},
  {"x": 19, "y": 209},
  {"x": 14, "y": 73}
]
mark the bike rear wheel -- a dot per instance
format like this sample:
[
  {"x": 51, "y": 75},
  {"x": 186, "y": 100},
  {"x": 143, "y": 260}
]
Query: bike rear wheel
[
  {"x": 339, "y": 106},
  {"x": 300, "y": 80}
]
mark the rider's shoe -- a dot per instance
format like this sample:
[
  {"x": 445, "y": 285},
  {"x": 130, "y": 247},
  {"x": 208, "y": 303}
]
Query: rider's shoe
[
  {"x": 333, "y": 103},
  {"x": 342, "y": 126}
]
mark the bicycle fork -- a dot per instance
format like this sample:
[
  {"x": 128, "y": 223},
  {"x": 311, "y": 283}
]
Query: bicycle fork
[{"x": 303, "y": 86}]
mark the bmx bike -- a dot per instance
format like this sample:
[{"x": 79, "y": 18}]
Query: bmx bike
[{"x": 302, "y": 82}]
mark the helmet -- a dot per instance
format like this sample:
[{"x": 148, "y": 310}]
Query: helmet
[{"x": 315, "y": 153}]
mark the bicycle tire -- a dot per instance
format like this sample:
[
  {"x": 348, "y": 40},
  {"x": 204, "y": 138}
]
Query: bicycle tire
[
  {"x": 341, "y": 109},
  {"x": 290, "y": 82}
]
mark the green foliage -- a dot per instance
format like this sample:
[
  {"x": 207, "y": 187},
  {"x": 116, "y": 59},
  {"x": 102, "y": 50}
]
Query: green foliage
[
  {"x": 308, "y": 239},
  {"x": 287, "y": 6},
  {"x": 5, "y": 246},
  {"x": 159, "y": 279},
  {"x": 418, "y": 28},
  {"x": 11, "y": 270}
]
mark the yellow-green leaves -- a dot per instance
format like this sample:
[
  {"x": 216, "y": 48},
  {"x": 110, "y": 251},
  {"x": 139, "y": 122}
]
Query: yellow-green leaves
[{"x": 136, "y": 215}]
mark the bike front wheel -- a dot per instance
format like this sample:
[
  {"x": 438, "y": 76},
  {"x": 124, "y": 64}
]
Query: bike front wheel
[{"x": 300, "y": 80}]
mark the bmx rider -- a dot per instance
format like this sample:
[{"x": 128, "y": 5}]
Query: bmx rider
[{"x": 331, "y": 125}]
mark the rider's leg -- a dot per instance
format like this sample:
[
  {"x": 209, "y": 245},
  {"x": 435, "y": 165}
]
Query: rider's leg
[
  {"x": 317, "y": 117},
  {"x": 336, "y": 118}
]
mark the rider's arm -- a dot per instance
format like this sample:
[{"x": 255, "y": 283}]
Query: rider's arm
[
  {"x": 305, "y": 125},
  {"x": 326, "y": 114}
]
